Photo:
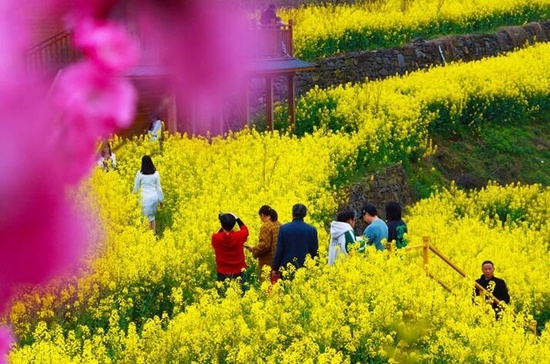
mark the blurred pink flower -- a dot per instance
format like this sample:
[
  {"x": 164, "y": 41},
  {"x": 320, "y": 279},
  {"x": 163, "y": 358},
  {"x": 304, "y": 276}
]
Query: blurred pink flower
[
  {"x": 87, "y": 95},
  {"x": 205, "y": 46},
  {"x": 107, "y": 44},
  {"x": 40, "y": 231},
  {"x": 93, "y": 105},
  {"x": 6, "y": 341},
  {"x": 14, "y": 36},
  {"x": 79, "y": 9},
  {"x": 46, "y": 148}
]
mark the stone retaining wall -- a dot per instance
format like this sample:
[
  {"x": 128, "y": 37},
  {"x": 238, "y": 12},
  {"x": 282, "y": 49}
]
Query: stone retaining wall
[
  {"x": 389, "y": 184},
  {"x": 359, "y": 66}
]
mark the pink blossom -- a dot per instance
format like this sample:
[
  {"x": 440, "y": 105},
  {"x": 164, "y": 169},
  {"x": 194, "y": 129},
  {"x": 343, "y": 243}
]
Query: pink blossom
[
  {"x": 98, "y": 9},
  {"x": 43, "y": 151},
  {"x": 6, "y": 341},
  {"x": 88, "y": 95},
  {"x": 14, "y": 37},
  {"x": 205, "y": 45},
  {"x": 41, "y": 233},
  {"x": 107, "y": 44},
  {"x": 93, "y": 105}
]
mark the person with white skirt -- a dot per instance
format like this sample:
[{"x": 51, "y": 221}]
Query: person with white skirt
[{"x": 148, "y": 180}]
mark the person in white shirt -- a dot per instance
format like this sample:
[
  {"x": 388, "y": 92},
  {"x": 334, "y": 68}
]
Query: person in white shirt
[
  {"x": 155, "y": 129},
  {"x": 342, "y": 236},
  {"x": 107, "y": 159},
  {"x": 148, "y": 180}
]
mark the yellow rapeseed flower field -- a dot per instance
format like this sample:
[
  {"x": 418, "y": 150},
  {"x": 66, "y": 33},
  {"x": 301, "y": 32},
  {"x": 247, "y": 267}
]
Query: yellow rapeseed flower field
[
  {"x": 326, "y": 30},
  {"x": 139, "y": 299},
  {"x": 142, "y": 300}
]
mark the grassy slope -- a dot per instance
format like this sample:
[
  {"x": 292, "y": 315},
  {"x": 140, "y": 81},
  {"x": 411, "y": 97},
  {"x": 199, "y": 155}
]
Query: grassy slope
[{"x": 509, "y": 153}]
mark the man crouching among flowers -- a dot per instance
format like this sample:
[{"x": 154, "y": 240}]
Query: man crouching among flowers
[{"x": 228, "y": 247}]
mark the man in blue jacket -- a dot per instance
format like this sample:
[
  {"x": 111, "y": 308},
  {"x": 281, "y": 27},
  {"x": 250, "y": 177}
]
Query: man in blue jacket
[{"x": 296, "y": 240}]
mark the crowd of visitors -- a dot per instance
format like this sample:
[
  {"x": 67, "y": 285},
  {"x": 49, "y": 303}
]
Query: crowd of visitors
[{"x": 281, "y": 246}]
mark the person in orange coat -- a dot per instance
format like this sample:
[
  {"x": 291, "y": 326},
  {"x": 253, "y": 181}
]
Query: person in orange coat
[{"x": 264, "y": 251}]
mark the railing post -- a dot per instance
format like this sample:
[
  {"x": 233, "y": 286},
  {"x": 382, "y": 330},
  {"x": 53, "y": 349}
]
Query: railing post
[
  {"x": 482, "y": 296},
  {"x": 290, "y": 46},
  {"x": 426, "y": 250}
]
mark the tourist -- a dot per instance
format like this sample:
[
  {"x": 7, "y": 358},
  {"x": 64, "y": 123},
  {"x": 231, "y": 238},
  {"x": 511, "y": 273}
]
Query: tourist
[
  {"x": 148, "y": 181},
  {"x": 495, "y": 286},
  {"x": 264, "y": 251},
  {"x": 228, "y": 248},
  {"x": 155, "y": 129},
  {"x": 107, "y": 159},
  {"x": 296, "y": 240},
  {"x": 342, "y": 236},
  {"x": 376, "y": 232},
  {"x": 396, "y": 227}
]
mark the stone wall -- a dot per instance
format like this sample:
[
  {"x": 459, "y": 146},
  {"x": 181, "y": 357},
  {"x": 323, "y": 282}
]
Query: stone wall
[
  {"x": 389, "y": 184},
  {"x": 359, "y": 66}
]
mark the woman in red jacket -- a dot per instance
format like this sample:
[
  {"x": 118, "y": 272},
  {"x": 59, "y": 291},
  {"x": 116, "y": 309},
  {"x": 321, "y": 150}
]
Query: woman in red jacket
[{"x": 228, "y": 247}]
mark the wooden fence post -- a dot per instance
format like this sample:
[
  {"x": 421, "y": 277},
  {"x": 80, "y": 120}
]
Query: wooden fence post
[{"x": 426, "y": 250}]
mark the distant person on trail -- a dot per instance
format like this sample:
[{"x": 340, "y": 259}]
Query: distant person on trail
[
  {"x": 396, "y": 227},
  {"x": 496, "y": 286},
  {"x": 107, "y": 159},
  {"x": 269, "y": 16},
  {"x": 342, "y": 236},
  {"x": 295, "y": 241},
  {"x": 155, "y": 129},
  {"x": 377, "y": 230},
  {"x": 148, "y": 181},
  {"x": 264, "y": 251},
  {"x": 228, "y": 248}
]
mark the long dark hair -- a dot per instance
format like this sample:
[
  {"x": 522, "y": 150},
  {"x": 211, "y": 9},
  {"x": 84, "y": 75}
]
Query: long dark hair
[
  {"x": 266, "y": 210},
  {"x": 393, "y": 211},
  {"x": 147, "y": 166},
  {"x": 105, "y": 145}
]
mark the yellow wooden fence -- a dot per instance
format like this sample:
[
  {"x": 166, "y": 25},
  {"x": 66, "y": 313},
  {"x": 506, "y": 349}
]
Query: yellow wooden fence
[{"x": 427, "y": 247}]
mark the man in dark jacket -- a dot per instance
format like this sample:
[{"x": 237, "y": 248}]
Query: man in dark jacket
[
  {"x": 496, "y": 286},
  {"x": 295, "y": 241},
  {"x": 268, "y": 16}
]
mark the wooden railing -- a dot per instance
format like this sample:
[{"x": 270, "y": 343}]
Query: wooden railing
[
  {"x": 52, "y": 54},
  {"x": 427, "y": 248},
  {"x": 56, "y": 52},
  {"x": 272, "y": 41}
]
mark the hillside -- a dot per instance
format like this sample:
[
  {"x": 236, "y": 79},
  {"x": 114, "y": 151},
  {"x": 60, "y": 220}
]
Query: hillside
[
  {"x": 503, "y": 154},
  {"x": 519, "y": 153},
  {"x": 158, "y": 293}
]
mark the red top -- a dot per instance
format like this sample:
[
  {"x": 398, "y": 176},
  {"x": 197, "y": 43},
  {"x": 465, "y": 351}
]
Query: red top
[{"x": 229, "y": 250}]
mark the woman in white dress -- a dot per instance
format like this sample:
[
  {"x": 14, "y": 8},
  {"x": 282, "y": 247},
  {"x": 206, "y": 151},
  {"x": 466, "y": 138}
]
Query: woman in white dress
[{"x": 148, "y": 180}]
